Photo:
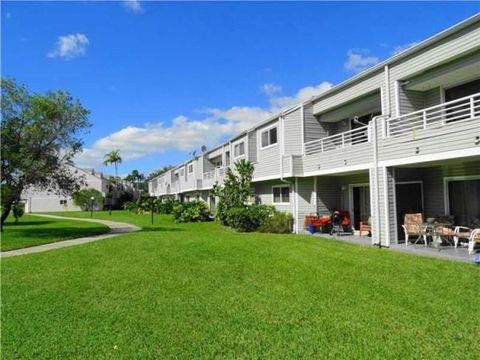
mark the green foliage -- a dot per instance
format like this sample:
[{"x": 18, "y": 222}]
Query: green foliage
[
  {"x": 235, "y": 191},
  {"x": 130, "y": 206},
  {"x": 83, "y": 198},
  {"x": 166, "y": 205},
  {"x": 248, "y": 218},
  {"x": 158, "y": 172},
  {"x": 192, "y": 211},
  {"x": 280, "y": 223},
  {"x": 18, "y": 209},
  {"x": 41, "y": 134}
]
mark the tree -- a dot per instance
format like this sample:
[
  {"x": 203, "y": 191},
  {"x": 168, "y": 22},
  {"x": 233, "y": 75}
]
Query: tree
[
  {"x": 158, "y": 172},
  {"x": 39, "y": 138},
  {"x": 113, "y": 157},
  {"x": 135, "y": 178},
  {"x": 83, "y": 198},
  {"x": 236, "y": 188}
]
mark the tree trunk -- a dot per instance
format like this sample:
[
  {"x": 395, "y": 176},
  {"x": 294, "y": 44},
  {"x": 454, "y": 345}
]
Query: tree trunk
[{"x": 5, "y": 213}]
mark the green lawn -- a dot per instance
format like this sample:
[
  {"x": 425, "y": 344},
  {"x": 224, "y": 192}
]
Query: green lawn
[
  {"x": 34, "y": 230},
  {"x": 203, "y": 291}
]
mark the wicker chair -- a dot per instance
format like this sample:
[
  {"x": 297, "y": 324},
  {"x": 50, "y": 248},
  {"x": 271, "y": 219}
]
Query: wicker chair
[{"x": 413, "y": 226}]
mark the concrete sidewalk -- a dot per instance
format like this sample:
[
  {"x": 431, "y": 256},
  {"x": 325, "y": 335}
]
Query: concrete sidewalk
[{"x": 116, "y": 228}]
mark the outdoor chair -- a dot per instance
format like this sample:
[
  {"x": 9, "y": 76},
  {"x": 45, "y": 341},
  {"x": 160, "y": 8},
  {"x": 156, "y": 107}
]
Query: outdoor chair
[
  {"x": 366, "y": 226},
  {"x": 413, "y": 226},
  {"x": 474, "y": 239}
]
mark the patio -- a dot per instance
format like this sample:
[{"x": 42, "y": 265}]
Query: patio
[{"x": 442, "y": 252}]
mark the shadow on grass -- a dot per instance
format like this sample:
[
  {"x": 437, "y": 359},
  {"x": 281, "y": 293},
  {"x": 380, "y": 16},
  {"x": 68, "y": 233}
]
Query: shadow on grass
[
  {"x": 160, "y": 229},
  {"x": 65, "y": 232},
  {"x": 27, "y": 223}
]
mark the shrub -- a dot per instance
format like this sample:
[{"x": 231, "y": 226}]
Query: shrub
[
  {"x": 83, "y": 198},
  {"x": 279, "y": 223},
  {"x": 193, "y": 211},
  {"x": 248, "y": 218},
  {"x": 235, "y": 191},
  {"x": 18, "y": 210},
  {"x": 130, "y": 206},
  {"x": 165, "y": 206}
]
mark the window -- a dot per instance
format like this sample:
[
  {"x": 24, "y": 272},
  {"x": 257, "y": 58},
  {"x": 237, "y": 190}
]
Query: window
[
  {"x": 227, "y": 158},
  {"x": 269, "y": 137},
  {"x": 63, "y": 202},
  {"x": 281, "y": 194},
  {"x": 182, "y": 172},
  {"x": 190, "y": 168},
  {"x": 239, "y": 149}
]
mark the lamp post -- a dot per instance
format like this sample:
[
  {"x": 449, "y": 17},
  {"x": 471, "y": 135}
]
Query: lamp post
[{"x": 91, "y": 206}]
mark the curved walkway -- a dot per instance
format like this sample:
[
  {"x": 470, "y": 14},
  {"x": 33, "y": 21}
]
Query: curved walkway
[{"x": 116, "y": 228}]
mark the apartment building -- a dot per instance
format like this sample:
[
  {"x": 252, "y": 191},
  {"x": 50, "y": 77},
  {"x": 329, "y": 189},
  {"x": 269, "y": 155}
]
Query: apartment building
[
  {"x": 402, "y": 136},
  {"x": 37, "y": 200}
]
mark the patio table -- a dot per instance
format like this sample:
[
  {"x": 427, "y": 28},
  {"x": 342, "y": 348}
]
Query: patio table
[{"x": 438, "y": 230}]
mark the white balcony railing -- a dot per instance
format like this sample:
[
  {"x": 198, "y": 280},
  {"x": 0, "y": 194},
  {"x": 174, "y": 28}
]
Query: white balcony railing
[
  {"x": 338, "y": 141},
  {"x": 209, "y": 175},
  {"x": 463, "y": 109}
]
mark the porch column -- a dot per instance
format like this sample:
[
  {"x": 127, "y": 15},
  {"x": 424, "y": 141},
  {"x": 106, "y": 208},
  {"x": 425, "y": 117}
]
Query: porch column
[{"x": 304, "y": 201}]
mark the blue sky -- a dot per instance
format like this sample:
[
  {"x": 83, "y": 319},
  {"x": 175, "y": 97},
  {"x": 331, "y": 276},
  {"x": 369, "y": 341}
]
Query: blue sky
[{"x": 161, "y": 79}]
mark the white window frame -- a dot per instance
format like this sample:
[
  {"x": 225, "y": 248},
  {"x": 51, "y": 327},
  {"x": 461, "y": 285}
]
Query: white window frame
[
  {"x": 238, "y": 143},
  {"x": 267, "y": 129},
  {"x": 190, "y": 166},
  {"x": 289, "y": 194},
  {"x": 446, "y": 180}
]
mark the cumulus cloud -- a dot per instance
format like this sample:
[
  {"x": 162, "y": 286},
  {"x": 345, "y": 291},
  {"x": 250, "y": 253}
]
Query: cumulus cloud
[
  {"x": 400, "y": 48},
  {"x": 69, "y": 46},
  {"x": 270, "y": 89},
  {"x": 280, "y": 102},
  {"x": 186, "y": 134},
  {"x": 359, "y": 59},
  {"x": 133, "y": 6}
]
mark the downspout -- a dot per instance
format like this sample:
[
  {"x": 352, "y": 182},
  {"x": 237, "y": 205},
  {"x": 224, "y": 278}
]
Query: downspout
[
  {"x": 375, "y": 177},
  {"x": 282, "y": 150}
]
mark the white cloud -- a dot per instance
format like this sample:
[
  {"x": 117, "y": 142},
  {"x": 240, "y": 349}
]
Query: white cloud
[
  {"x": 400, "y": 48},
  {"x": 133, "y": 6},
  {"x": 280, "y": 102},
  {"x": 270, "y": 89},
  {"x": 70, "y": 46},
  {"x": 186, "y": 134},
  {"x": 359, "y": 59}
]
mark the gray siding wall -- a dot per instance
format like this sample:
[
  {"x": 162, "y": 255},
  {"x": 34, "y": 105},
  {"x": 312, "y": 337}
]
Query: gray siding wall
[
  {"x": 361, "y": 106},
  {"x": 305, "y": 201},
  {"x": 454, "y": 136},
  {"x": 362, "y": 87},
  {"x": 264, "y": 194},
  {"x": 268, "y": 161},
  {"x": 292, "y": 123},
  {"x": 455, "y": 45},
  {"x": 313, "y": 128},
  {"x": 252, "y": 146}
]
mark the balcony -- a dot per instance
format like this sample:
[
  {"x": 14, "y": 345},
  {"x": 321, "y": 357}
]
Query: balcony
[
  {"x": 338, "y": 141},
  {"x": 213, "y": 176},
  {"x": 450, "y": 113}
]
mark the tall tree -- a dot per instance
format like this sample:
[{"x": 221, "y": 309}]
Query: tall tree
[
  {"x": 39, "y": 138},
  {"x": 158, "y": 172},
  {"x": 113, "y": 157},
  {"x": 136, "y": 178}
]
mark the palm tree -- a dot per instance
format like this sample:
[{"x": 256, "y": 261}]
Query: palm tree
[{"x": 113, "y": 157}]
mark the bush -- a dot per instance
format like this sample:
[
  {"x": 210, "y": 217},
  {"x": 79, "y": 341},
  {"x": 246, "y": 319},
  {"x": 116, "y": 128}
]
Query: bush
[
  {"x": 279, "y": 223},
  {"x": 18, "y": 210},
  {"x": 165, "y": 206},
  {"x": 248, "y": 218},
  {"x": 130, "y": 206},
  {"x": 193, "y": 211},
  {"x": 83, "y": 197}
]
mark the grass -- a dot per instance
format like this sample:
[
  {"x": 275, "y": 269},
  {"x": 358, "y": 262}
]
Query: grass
[
  {"x": 203, "y": 291},
  {"x": 33, "y": 230}
]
